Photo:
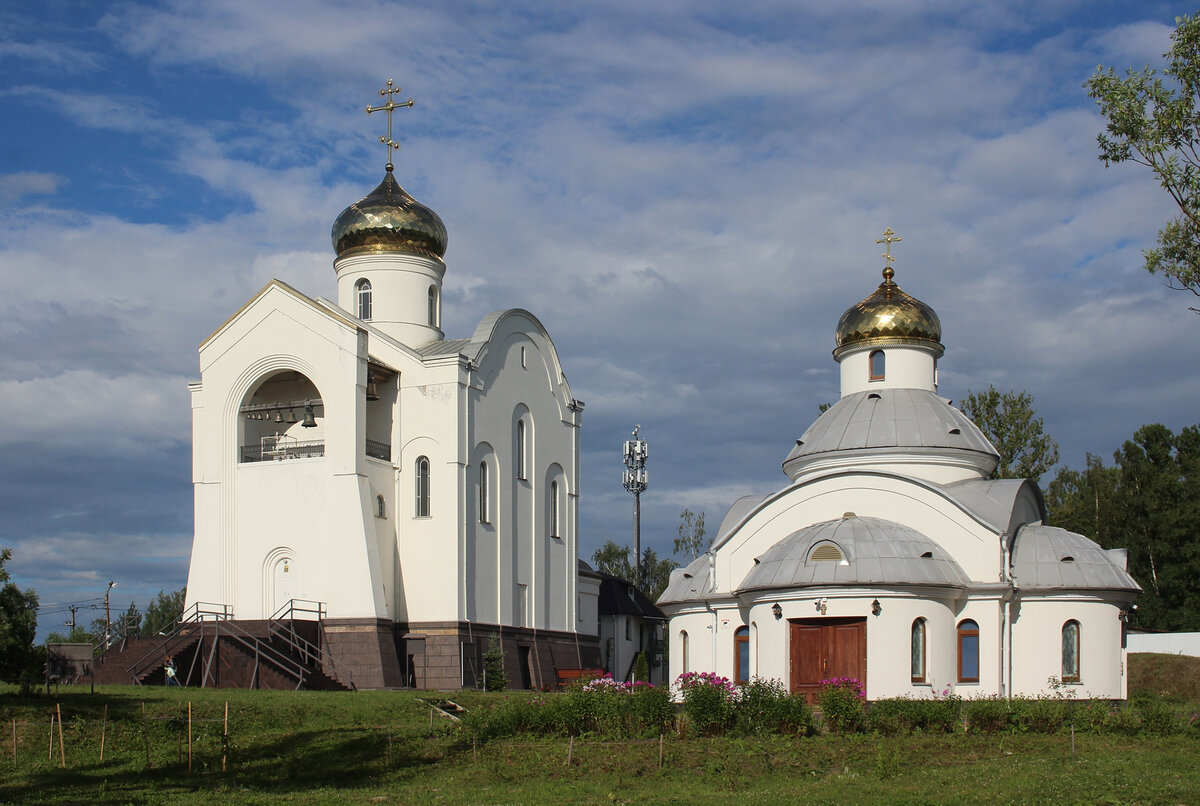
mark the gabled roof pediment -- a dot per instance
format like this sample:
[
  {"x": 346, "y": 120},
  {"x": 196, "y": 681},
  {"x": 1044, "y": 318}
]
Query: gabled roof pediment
[{"x": 278, "y": 287}]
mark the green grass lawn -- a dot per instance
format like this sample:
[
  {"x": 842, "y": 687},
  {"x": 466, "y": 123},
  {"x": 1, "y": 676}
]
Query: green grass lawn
[{"x": 379, "y": 747}]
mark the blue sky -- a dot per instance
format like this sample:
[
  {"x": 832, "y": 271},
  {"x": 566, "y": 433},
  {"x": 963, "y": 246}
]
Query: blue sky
[{"x": 686, "y": 194}]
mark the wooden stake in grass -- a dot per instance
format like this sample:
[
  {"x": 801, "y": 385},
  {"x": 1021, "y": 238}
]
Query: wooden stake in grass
[
  {"x": 50, "y": 747},
  {"x": 660, "y": 751},
  {"x": 189, "y": 735},
  {"x": 570, "y": 750},
  {"x": 225, "y": 737},
  {"x": 103, "y": 728},
  {"x": 14, "y": 741},
  {"x": 62, "y": 752}
]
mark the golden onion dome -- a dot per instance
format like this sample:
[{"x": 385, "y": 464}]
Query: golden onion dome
[
  {"x": 389, "y": 220},
  {"x": 889, "y": 316}
]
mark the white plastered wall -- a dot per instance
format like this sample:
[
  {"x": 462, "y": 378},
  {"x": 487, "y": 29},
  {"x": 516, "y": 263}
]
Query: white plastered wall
[
  {"x": 248, "y": 513},
  {"x": 1037, "y": 646}
]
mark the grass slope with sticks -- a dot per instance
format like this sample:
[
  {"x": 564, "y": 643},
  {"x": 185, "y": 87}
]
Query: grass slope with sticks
[{"x": 372, "y": 747}]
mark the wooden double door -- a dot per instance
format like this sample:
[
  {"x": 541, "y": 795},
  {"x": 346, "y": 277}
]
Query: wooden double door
[{"x": 825, "y": 648}]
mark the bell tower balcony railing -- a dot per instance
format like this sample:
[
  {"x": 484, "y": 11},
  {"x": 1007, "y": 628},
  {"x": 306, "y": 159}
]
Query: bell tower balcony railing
[
  {"x": 379, "y": 450},
  {"x": 280, "y": 447}
]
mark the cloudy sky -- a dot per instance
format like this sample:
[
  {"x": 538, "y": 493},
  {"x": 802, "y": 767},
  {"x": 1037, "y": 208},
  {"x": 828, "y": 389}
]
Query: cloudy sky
[{"x": 687, "y": 193}]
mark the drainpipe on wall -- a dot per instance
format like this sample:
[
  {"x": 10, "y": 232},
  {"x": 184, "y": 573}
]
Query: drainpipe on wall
[{"x": 1006, "y": 539}]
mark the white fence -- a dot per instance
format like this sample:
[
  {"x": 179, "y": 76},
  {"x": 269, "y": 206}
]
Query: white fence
[{"x": 1173, "y": 643}]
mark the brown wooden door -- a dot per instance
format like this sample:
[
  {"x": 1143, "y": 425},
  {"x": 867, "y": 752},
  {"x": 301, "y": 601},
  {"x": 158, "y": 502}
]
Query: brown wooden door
[{"x": 822, "y": 649}]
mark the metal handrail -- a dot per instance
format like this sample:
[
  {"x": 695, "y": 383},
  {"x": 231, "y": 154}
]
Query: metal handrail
[
  {"x": 379, "y": 450},
  {"x": 198, "y": 612},
  {"x": 293, "y": 450}
]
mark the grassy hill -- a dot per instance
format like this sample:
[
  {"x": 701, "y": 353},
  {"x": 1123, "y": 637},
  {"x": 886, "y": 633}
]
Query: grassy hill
[
  {"x": 1174, "y": 677},
  {"x": 383, "y": 747}
]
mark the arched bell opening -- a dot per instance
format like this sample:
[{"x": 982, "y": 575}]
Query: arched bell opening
[
  {"x": 381, "y": 403},
  {"x": 282, "y": 417}
]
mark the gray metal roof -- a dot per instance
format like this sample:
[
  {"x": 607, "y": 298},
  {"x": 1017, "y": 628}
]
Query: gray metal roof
[
  {"x": 688, "y": 584},
  {"x": 890, "y": 418},
  {"x": 875, "y": 551},
  {"x": 740, "y": 509},
  {"x": 1049, "y": 558},
  {"x": 443, "y": 347},
  {"x": 998, "y": 502}
]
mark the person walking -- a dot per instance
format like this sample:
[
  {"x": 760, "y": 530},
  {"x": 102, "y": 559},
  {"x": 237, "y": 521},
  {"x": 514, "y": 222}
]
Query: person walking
[{"x": 170, "y": 670}]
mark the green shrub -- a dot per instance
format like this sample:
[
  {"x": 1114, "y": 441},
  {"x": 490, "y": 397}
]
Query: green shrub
[
  {"x": 842, "y": 705},
  {"x": 1157, "y": 718},
  {"x": 1039, "y": 716},
  {"x": 651, "y": 709},
  {"x": 764, "y": 706},
  {"x": 987, "y": 714},
  {"x": 1092, "y": 716},
  {"x": 706, "y": 701},
  {"x": 900, "y": 716}
]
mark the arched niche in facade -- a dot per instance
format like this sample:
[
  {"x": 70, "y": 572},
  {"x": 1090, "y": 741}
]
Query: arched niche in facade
[{"x": 281, "y": 417}]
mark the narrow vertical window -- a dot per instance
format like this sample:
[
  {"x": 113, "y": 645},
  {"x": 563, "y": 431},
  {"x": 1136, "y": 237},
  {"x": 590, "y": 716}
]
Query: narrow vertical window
[
  {"x": 918, "y": 651},
  {"x": 433, "y": 306},
  {"x": 363, "y": 292},
  {"x": 422, "y": 487},
  {"x": 380, "y": 507},
  {"x": 1070, "y": 652},
  {"x": 877, "y": 365},
  {"x": 741, "y": 655},
  {"x": 554, "y": 532},
  {"x": 968, "y": 652},
  {"x": 683, "y": 651},
  {"x": 520, "y": 449},
  {"x": 483, "y": 493}
]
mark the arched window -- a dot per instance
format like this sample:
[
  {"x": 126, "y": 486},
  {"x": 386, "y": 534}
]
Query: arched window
[
  {"x": 741, "y": 655},
  {"x": 877, "y": 365},
  {"x": 483, "y": 493},
  {"x": 363, "y": 291},
  {"x": 1070, "y": 652},
  {"x": 918, "y": 651},
  {"x": 380, "y": 507},
  {"x": 968, "y": 652},
  {"x": 433, "y": 306},
  {"x": 520, "y": 449},
  {"x": 683, "y": 651},
  {"x": 554, "y": 530},
  {"x": 422, "y": 487}
]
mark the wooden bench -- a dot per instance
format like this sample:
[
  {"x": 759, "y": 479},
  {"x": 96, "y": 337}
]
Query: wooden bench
[{"x": 568, "y": 676}]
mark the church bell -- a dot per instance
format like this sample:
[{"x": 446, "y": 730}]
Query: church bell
[{"x": 309, "y": 420}]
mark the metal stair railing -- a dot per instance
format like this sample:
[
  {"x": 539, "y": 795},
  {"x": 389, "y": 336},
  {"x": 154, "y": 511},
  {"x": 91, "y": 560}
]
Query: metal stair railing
[
  {"x": 262, "y": 649},
  {"x": 182, "y": 631},
  {"x": 310, "y": 652}
]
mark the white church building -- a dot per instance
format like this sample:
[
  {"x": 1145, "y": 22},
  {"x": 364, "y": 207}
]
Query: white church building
[
  {"x": 892, "y": 557},
  {"x": 419, "y": 492}
]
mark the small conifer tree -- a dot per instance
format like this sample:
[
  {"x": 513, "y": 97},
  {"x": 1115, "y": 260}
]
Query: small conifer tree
[
  {"x": 494, "y": 678},
  {"x": 641, "y": 669}
]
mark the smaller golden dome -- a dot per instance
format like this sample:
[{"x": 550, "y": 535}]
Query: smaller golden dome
[
  {"x": 389, "y": 220},
  {"x": 889, "y": 316}
]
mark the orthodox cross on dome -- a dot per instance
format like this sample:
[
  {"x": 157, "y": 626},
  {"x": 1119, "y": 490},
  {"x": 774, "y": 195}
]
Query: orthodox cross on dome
[
  {"x": 888, "y": 239},
  {"x": 387, "y": 92}
]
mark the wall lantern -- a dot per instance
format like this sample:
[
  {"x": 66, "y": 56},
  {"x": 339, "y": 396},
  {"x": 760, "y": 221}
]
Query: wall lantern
[
  {"x": 876, "y": 608},
  {"x": 822, "y": 605},
  {"x": 777, "y": 610}
]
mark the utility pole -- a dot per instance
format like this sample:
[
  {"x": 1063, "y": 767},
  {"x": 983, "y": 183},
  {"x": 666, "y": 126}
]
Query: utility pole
[
  {"x": 74, "y": 609},
  {"x": 635, "y": 480},
  {"x": 107, "y": 618}
]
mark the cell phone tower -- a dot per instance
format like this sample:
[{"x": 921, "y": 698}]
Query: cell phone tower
[{"x": 635, "y": 480}]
